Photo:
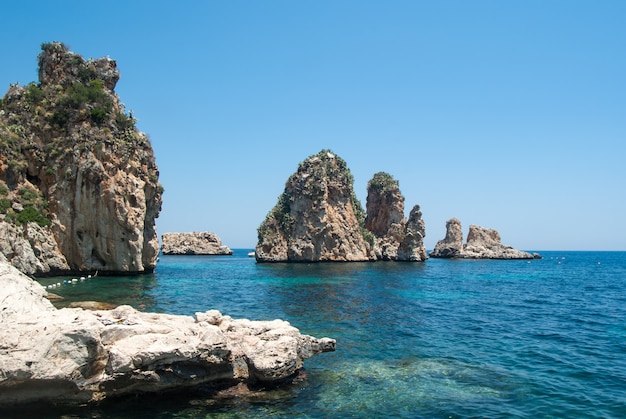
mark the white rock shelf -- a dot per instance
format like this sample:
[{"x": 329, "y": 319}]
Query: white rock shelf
[{"x": 72, "y": 355}]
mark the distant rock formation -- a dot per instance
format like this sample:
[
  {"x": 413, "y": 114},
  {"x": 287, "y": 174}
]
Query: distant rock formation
[
  {"x": 204, "y": 243},
  {"x": 482, "y": 243},
  {"x": 74, "y": 356},
  {"x": 412, "y": 245},
  {"x": 317, "y": 218},
  {"x": 79, "y": 186},
  {"x": 395, "y": 239},
  {"x": 452, "y": 245}
]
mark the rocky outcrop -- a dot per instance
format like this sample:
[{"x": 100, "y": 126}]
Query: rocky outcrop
[
  {"x": 452, "y": 245},
  {"x": 485, "y": 243},
  {"x": 79, "y": 356},
  {"x": 412, "y": 247},
  {"x": 79, "y": 186},
  {"x": 317, "y": 218},
  {"x": 204, "y": 243},
  {"x": 482, "y": 243},
  {"x": 394, "y": 238}
]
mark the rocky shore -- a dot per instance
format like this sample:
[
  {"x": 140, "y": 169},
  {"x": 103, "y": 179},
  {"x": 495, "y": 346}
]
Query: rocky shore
[
  {"x": 203, "y": 243},
  {"x": 74, "y": 356}
]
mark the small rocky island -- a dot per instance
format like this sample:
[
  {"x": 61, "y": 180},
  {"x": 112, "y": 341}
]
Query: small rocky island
[
  {"x": 203, "y": 243},
  {"x": 482, "y": 243},
  {"x": 76, "y": 356},
  {"x": 318, "y": 218},
  {"x": 79, "y": 189}
]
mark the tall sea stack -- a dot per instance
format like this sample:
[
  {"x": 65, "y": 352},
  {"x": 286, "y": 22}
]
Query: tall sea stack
[
  {"x": 317, "y": 218},
  {"x": 394, "y": 237},
  {"x": 79, "y": 186}
]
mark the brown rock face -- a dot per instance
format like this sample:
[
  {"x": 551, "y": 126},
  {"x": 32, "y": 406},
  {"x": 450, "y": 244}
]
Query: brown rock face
[
  {"x": 204, "y": 243},
  {"x": 452, "y": 245},
  {"x": 72, "y": 162},
  {"x": 317, "y": 218},
  {"x": 385, "y": 219}
]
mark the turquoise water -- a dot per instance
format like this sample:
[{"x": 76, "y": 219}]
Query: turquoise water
[{"x": 448, "y": 339}]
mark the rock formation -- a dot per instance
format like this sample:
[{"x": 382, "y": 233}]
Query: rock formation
[
  {"x": 204, "y": 243},
  {"x": 412, "y": 245},
  {"x": 482, "y": 243},
  {"x": 79, "y": 186},
  {"x": 452, "y": 245},
  {"x": 317, "y": 217},
  {"x": 394, "y": 238},
  {"x": 73, "y": 355}
]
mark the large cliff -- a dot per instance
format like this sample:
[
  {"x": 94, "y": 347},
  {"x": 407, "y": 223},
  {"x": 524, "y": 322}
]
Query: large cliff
[
  {"x": 79, "y": 186},
  {"x": 317, "y": 218}
]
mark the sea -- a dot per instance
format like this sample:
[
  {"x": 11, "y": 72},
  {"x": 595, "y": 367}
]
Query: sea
[{"x": 440, "y": 339}]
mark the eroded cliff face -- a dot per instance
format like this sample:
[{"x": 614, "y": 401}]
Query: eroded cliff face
[
  {"x": 74, "y": 167},
  {"x": 394, "y": 237},
  {"x": 317, "y": 218}
]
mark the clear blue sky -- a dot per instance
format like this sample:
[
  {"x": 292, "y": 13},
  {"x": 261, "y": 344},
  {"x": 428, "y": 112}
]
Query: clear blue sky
[{"x": 506, "y": 114}]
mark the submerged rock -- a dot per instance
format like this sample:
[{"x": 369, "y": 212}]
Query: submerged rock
[
  {"x": 204, "y": 243},
  {"x": 317, "y": 218},
  {"x": 482, "y": 243},
  {"x": 72, "y": 355},
  {"x": 79, "y": 186}
]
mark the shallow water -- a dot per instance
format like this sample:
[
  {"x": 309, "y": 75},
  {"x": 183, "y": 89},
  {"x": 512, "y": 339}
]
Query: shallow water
[{"x": 453, "y": 339}]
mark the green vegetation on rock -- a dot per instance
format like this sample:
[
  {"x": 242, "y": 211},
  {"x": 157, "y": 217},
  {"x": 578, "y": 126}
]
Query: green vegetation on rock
[{"x": 382, "y": 181}]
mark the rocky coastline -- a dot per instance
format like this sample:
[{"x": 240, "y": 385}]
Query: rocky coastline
[
  {"x": 76, "y": 356},
  {"x": 195, "y": 243}
]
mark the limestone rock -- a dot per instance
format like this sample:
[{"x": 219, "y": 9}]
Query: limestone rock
[
  {"x": 317, "y": 218},
  {"x": 394, "y": 238},
  {"x": 385, "y": 215},
  {"x": 204, "y": 243},
  {"x": 73, "y": 162},
  {"x": 412, "y": 247},
  {"x": 482, "y": 243},
  {"x": 76, "y": 356},
  {"x": 452, "y": 245},
  {"x": 30, "y": 248}
]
